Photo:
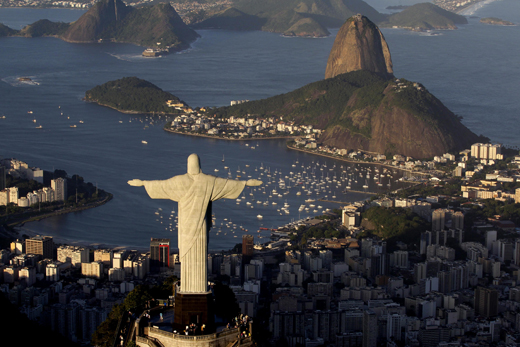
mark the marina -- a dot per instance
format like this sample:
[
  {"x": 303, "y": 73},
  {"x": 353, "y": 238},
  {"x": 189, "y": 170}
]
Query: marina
[{"x": 320, "y": 185}]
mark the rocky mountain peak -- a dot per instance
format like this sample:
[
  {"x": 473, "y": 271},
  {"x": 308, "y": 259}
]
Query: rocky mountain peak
[{"x": 359, "y": 45}]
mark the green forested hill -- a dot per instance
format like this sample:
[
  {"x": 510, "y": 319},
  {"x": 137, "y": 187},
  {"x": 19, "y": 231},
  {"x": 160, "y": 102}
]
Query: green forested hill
[
  {"x": 319, "y": 103},
  {"x": 44, "y": 27},
  {"x": 157, "y": 26},
  {"x": 425, "y": 16},
  {"x": 363, "y": 110},
  {"x": 133, "y": 95},
  {"x": 153, "y": 26},
  {"x": 6, "y": 31}
]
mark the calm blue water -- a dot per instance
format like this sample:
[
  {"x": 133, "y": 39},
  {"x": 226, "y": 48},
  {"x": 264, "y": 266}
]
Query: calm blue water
[{"x": 473, "y": 70}]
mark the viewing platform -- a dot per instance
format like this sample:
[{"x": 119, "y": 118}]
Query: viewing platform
[{"x": 157, "y": 332}]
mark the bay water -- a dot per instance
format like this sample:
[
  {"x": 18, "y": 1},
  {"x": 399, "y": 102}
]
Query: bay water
[{"x": 474, "y": 71}]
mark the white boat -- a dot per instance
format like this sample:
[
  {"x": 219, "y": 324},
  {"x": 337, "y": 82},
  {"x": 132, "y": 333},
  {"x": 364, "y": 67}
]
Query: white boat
[
  {"x": 259, "y": 216},
  {"x": 144, "y": 142}
]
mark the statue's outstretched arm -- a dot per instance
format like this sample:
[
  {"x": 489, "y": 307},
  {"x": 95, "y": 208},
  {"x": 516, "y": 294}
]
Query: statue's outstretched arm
[
  {"x": 136, "y": 183},
  {"x": 253, "y": 183}
]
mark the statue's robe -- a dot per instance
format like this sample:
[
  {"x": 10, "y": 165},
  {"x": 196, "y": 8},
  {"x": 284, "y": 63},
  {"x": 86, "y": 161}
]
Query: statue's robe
[{"x": 194, "y": 194}]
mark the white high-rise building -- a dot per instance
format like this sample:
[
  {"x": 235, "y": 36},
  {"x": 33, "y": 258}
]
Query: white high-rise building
[
  {"x": 73, "y": 254},
  {"x": 52, "y": 272},
  {"x": 60, "y": 189},
  {"x": 33, "y": 198},
  {"x": 116, "y": 275},
  {"x": 491, "y": 236},
  {"x": 438, "y": 219},
  {"x": 117, "y": 261},
  {"x": 475, "y": 150},
  {"x": 13, "y": 195},
  {"x": 457, "y": 220},
  {"x": 486, "y": 151},
  {"x": 4, "y": 197},
  {"x": 29, "y": 274},
  {"x": 94, "y": 269},
  {"x": 401, "y": 259}
]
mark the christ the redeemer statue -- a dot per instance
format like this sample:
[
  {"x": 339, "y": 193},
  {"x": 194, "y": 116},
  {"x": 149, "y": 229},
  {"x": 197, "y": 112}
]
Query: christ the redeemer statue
[{"x": 194, "y": 192}]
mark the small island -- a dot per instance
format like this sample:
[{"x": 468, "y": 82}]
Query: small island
[
  {"x": 495, "y": 21},
  {"x": 134, "y": 95},
  {"x": 423, "y": 17}
]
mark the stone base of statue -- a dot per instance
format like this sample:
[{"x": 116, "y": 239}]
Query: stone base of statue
[{"x": 194, "y": 308}]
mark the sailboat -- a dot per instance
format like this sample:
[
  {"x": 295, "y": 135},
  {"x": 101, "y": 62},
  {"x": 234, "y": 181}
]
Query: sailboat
[{"x": 223, "y": 158}]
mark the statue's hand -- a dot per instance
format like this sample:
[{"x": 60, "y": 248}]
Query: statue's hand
[
  {"x": 253, "y": 183},
  {"x": 136, "y": 183}
]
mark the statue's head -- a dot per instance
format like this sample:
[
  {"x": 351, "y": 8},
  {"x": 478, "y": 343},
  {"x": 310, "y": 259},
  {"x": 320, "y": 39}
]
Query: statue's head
[{"x": 194, "y": 164}]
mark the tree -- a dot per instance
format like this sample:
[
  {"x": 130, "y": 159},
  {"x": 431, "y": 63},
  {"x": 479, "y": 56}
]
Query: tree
[
  {"x": 137, "y": 298},
  {"x": 60, "y": 174},
  {"x": 225, "y": 304},
  {"x": 106, "y": 331},
  {"x": 165, "y": 289}
]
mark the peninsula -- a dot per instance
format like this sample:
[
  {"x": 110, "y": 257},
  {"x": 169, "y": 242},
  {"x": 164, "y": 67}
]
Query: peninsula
[
  {"x": 495, "y": 21},
  {"x": 33, "y": 194},
  {"x": 424, "y": 16},
  {"x": 134, "y": 95},
  {"x": 362, "y": 106}
]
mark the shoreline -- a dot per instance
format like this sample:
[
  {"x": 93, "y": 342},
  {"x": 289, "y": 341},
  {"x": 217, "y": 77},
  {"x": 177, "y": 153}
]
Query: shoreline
[
  {"x": 348, "y": 160},
  {"x": 79, "y": 243},
  {"x": 470, "y": 10},
  {"x": 130, "y": 112},
  {"x": 230, "y": 139},
  {"x": 62, "y": 211},
  {"x": 294, "y": 148}
]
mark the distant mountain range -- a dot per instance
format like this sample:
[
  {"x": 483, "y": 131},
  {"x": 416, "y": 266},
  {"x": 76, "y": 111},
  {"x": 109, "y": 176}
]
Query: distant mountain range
[
  {"x": 159, "y": 25},
  {"x": 289, "y": 17},
  {"x": 313, "y": 17},
  {"x": 156, "y": 26}
]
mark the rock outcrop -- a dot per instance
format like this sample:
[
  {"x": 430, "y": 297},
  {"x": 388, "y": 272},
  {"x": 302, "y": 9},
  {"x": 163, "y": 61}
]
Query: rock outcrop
[
  {"x": 101, "y": 17},
  {"x": 158, "y": 26},
  {"x": 359, "y": 45}
]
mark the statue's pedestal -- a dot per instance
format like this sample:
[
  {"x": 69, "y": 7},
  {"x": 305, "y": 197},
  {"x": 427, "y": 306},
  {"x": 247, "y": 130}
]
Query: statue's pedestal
[{"x": 194, "y": 308}]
